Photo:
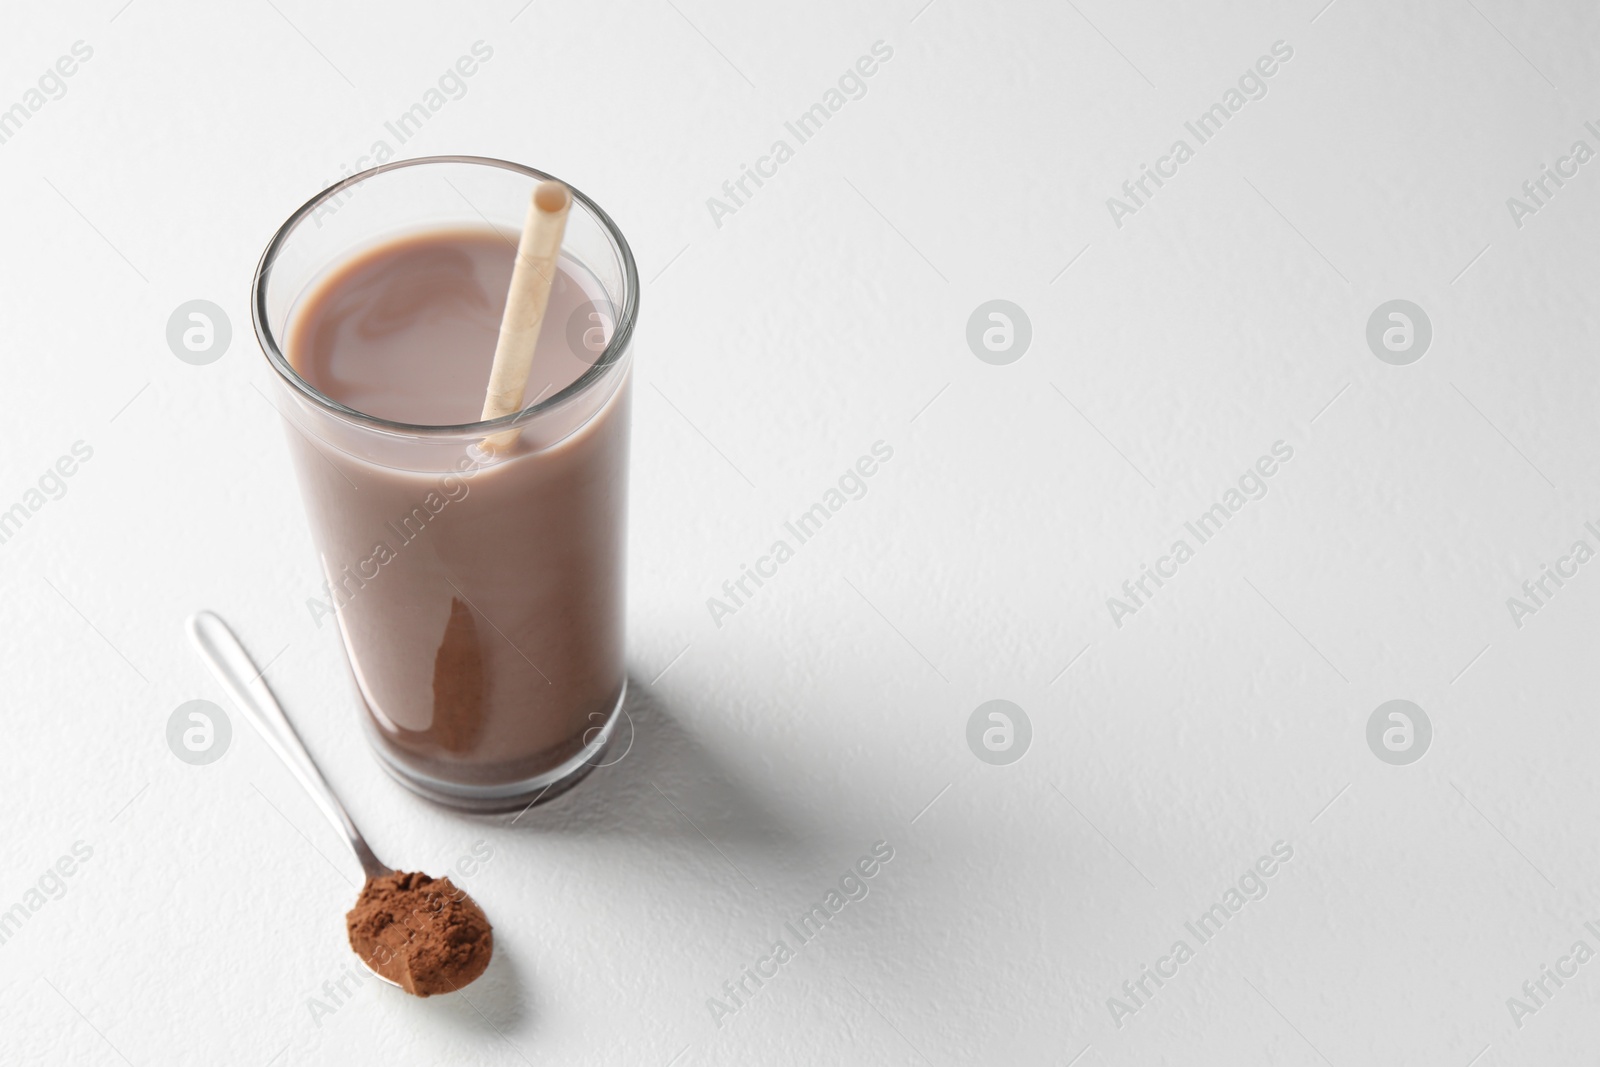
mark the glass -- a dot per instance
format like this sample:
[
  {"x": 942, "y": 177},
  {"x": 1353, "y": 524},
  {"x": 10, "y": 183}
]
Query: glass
[{"x": 479, "y": 595}]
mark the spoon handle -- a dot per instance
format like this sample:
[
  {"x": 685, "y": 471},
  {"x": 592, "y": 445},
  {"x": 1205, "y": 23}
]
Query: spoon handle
[{"x": 231, "y": 665}]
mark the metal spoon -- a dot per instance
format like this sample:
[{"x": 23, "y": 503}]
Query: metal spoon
[{"x": 231, "y": 665}]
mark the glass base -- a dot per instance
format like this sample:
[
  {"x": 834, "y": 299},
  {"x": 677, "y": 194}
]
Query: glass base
[{"x": 511, "y": 796}]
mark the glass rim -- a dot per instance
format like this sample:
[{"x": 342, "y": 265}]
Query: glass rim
[{"x": 621, "y": 333}]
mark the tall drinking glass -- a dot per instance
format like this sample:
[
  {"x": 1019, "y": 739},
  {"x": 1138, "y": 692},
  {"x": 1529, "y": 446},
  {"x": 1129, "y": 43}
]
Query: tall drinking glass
[{"x": 478, "y": 593}]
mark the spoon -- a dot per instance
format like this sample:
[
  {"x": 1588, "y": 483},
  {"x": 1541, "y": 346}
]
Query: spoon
[{"x": 232, "y": 667}]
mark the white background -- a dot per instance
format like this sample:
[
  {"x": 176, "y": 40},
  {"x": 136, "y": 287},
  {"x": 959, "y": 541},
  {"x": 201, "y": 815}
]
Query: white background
[{"x": 771, "y": 752}]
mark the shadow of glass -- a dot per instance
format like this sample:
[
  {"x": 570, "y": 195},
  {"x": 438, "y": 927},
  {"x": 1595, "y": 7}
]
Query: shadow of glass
[{"x": 656, "y": 780}]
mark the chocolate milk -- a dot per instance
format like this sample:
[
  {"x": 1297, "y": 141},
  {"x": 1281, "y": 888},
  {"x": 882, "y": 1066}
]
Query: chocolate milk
[{"x": 480, "y": 600}]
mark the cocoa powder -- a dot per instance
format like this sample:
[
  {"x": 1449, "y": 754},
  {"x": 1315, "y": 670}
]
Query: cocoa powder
[{"x": 421, "y": 933}]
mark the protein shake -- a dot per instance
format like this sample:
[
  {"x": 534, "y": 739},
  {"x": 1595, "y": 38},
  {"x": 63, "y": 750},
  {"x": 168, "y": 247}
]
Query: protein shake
[{"x": 479, "y": 594}]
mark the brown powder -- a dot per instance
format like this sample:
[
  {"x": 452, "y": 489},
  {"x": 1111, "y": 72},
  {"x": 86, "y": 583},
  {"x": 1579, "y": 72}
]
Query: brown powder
[{"x": 423, "y": 934}]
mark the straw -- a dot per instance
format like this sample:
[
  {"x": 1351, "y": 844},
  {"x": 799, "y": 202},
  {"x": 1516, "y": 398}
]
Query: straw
[{"x": 526, "y": 301}]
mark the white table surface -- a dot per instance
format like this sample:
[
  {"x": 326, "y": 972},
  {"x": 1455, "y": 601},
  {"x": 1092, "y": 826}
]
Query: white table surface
[{"x": 827, "y": 313}]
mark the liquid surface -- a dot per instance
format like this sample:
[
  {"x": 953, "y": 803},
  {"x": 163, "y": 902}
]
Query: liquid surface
[{"x": 406, "y": 330}]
